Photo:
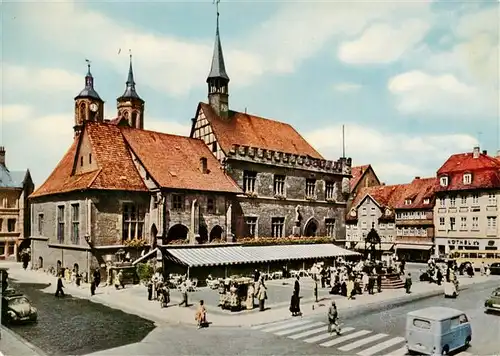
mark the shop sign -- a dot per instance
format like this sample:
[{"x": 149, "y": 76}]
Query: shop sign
[{"x": 463, "y": 242}]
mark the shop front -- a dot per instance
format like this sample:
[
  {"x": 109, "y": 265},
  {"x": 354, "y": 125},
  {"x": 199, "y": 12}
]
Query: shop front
[
  {"x": 414, "y": 252},
  {"x": 446, "y": 245}
]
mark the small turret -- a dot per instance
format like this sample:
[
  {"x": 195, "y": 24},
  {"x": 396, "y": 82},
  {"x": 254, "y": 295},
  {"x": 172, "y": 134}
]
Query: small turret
[{"x": 130, "y": 105}]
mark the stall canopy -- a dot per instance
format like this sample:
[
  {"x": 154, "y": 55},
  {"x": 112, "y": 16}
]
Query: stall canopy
[
  {"x": 413, "y": 247},
  {"x": 229, "y": 255}
]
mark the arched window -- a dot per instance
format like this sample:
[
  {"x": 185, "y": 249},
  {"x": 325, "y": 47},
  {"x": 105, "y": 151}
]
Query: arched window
[{"x": 82, "y": 115}]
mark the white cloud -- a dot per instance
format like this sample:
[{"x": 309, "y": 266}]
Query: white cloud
[
  {"x": 347, "y": 87},
  {"x": 463, "y": 80},
  {"x": 418, "y": 92},
  {"x": 396, "y": 157},
  {"x": 15, "y": 112},
  {"x": 32, "y": 79},
  {"x": 296, "y": 32},
  {"x": 383, "y": 43}
]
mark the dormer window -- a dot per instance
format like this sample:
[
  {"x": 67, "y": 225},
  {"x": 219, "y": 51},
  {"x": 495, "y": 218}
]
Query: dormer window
[
  {"x": 408, "y": 201},
  {"x": 427, "y": 201},
  {"x": 467, "y": 178},
  {"x": 443, "y": 181}
]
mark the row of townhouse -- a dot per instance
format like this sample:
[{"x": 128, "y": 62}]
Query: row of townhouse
[{"x": 456, "y": 210}]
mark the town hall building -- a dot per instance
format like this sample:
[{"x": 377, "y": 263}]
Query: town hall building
[{"x": 124, "y": 191}]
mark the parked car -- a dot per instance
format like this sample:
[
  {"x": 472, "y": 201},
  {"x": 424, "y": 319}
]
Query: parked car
[
  {"x": 493, "y": 302},
  {"x": 495, "y": 268},
  {"x": 16, "y": 308}
]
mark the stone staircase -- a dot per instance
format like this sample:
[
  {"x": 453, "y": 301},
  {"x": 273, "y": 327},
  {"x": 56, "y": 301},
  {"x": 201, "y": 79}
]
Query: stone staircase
[{"x": 392, "y": 281}]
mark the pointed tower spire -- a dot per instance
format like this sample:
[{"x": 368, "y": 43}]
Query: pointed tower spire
[
  {"x": 218, "y": 80},
  {"x": 130, "y": 91},
  {"x": 130, "y": 105},
  {"x": 218, "y": 69}
]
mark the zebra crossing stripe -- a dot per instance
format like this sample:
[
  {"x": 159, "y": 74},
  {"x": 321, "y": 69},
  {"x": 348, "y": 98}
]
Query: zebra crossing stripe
[
  {"x": 382, "y": 346},
  {"x": 342, "y": 339},
  {"x": 399, "y": 352},
  {"x": 288, "y": 325},
  {"x": 324, "y": 336},
  {"x": 308, "y": 333},
  {"x": 362, "y": 342},
  {"x": 300, "y": 328},
  {"x": 262, "y": 326}
]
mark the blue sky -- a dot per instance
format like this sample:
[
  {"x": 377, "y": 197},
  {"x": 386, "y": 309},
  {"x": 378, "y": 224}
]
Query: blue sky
[{"x": 412, "y": 82}]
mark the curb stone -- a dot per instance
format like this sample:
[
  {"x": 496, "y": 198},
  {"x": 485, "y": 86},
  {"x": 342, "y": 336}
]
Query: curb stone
[{"x": 35, "y": 350}]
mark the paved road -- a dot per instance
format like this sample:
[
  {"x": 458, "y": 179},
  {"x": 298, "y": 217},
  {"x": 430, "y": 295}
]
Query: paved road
[
  {"x": 77, "y": 326},
  {"x": 382, "y": 332}
]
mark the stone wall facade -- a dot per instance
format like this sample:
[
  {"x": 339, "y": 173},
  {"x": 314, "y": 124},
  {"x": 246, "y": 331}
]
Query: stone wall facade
[
  {"x": 104, "y": 221},
  {"x": 264, "y": 204}
]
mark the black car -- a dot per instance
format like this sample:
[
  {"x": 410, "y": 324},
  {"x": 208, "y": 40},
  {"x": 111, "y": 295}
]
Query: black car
[{"x": 495, "y": 268}]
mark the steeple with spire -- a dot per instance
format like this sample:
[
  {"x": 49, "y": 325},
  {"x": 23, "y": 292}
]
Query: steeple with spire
[
  {"x": 218, "y": 80},
  {"x": 130, "y": 105},
  {"x": 88, "y": 104}
]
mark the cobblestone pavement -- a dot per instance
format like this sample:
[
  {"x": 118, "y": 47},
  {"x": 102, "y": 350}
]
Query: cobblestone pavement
[{"x": 75, "y": 326}]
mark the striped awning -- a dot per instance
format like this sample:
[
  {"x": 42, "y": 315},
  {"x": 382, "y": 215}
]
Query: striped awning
[
  {"x": 413, "y": 247},
  {"x": 228, "y": 255}
]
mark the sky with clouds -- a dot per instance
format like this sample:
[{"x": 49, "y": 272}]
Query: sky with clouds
[{"x": 412, "y": 82}]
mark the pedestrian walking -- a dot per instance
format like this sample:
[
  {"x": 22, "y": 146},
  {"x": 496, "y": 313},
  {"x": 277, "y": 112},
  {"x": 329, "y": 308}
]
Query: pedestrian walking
[
  {"x": 379, "y": 282},
  {"x": 350, "y": 288},
  {"x": 256, "y": 275},
  {"x": 184, "y": 293},
  {"x": 315, "y": 288},
  {"x": 97, "y": 277},
  {"x": 262, "y": 296},
  {"x": 408, "y": 283},
  {"x": 296, "y": 286},
  {"x": 60, "y": 286},
  {"x": 119, "y": 280},
  {"x": 201, "y": 315},
  {"x": 150, "y": 289},
  {"x": 295, "y": 304},
  {"x": 488, "y": 271},
  {"x": 482, "y": 269},
  {"x": 333, "y": 316},
  {"x": 92, "y": 288}
]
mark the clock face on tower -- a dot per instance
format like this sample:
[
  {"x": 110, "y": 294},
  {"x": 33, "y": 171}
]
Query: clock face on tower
[
  {"x": 223, "y": 107},
  {"x": 93, "y": 107}
]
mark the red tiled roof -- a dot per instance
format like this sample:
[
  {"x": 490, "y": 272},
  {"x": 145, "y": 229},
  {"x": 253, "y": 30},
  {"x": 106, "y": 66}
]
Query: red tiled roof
[
  {"x": 384, "y": 195},
  {"x": 485, "y": 172},
  {"x": 248, "y": 130},
  {"x": 357, "y": 173},
  {"x": 418, "y": 190},
  {"x": 174, "y": 161},
  {"x": 61, "y": 180},
  {"x": 465, "y": 162}
]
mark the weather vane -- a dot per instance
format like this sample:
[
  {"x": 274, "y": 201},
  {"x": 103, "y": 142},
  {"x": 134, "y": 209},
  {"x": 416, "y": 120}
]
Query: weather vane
[
  {"x": 88, "y": 62},
  {"x": 216, "y": 2}
]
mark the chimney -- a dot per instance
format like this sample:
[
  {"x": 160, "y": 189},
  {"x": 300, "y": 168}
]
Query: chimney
[
  {"x": 2, "y": 156},
  {"x": 475, "y": 152},
  {"x": 485, "y": 152},
  {"x": 203, "y": 165}
]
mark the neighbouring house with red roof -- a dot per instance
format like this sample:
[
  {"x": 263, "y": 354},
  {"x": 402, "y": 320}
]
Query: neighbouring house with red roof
[
  {"x": 466, "y": 210},
  {"x": 288, "y": 187},
  {"x": 401, "y": 214},
  {"x": 15, "y": 187},
  {"x": 362, "y": 176},
  {"x": 373, "y": 207},
  {"x": 414, "y": 220}
]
